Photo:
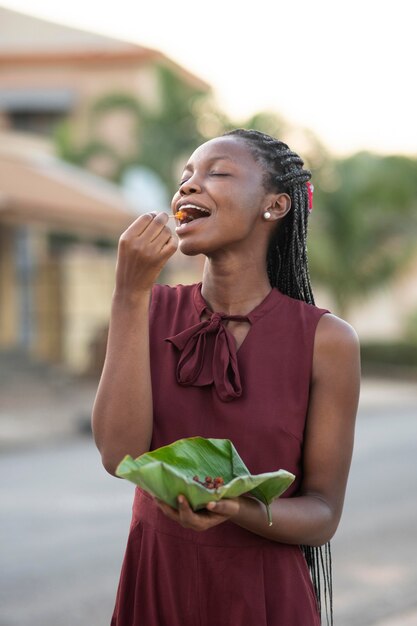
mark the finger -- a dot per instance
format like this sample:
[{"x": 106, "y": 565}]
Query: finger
[
  {"x": 226, "y": 508},
  {"x": 169, "y": 244},
  {"x": 145, "y": 222},
  {"x": 158, "y": 226},
  {"x": 168, "y": 510},
  {"x": 187, "y": 516},
  {"x": 139, "y": 226},
  {"x": 184, "y": 506}
]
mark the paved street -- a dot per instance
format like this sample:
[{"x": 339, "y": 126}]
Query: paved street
[
  {"x": 63, "y": 528},
  {"x": 375, "y": 549},
  {"x": 64, "y": 524}
]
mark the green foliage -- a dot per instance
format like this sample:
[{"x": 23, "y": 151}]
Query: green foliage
[
  {"x": 64, "y": 143},
  {"x": 170, "y": 132},
  {"x": 80, "y": 156},
  {"x": 364, "y": 226},
  {"x": 410, "y": 331},
  {"x": 118, "y": 100},
  {"x": 165, "y": 134},
  {"x": 378, "y": 356}
]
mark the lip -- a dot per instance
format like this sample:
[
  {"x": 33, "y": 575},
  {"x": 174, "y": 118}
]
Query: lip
[{"x": 183, "y": 228}]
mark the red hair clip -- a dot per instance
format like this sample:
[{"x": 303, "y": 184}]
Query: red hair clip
[{"x": 310, "y": 191}]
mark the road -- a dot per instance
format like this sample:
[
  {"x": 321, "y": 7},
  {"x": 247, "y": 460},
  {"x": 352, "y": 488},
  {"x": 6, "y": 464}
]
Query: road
[
  {"x": 64, "y": 524},
  {"x": 375, "y": 548},
  {"x": 63, "y": 527}
]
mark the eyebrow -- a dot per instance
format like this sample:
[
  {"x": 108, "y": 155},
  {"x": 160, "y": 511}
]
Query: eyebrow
[
  {"x": 212, "y": 159},
  {"x": 221, "y": 156}
]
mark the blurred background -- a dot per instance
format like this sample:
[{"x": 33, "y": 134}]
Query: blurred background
[{"x": 99, "y": 110}]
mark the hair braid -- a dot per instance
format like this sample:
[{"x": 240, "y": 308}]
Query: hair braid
[{"x": 287, "y": 263}]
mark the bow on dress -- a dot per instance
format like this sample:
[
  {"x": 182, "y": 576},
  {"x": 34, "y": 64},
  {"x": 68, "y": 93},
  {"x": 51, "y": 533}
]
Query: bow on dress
[{"x": 208, "y": 355}]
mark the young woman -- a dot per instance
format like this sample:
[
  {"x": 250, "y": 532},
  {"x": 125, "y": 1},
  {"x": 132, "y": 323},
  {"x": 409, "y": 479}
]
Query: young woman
[{"x": 244, "y": 355}]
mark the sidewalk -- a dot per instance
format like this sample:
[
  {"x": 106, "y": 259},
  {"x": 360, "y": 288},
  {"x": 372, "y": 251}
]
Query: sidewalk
[
  {"x": 40, "y": 405},
  {"x": 382, "y": 393},
  {"x": 406, "y": 619}
]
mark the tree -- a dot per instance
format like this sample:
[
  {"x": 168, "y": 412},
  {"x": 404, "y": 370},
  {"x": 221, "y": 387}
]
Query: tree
[
  {"x": 171, "y": 132},
  {"x": 364, "y": 225},
  {"x": 166, "y": 134}
]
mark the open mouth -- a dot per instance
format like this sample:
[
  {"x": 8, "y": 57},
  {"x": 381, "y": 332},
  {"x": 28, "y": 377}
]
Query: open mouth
[{"x": 191, "y": 212}]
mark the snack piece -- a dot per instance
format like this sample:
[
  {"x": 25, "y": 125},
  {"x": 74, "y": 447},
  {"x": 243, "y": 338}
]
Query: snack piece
[
  {"x": 209, "y": 482},
  {"x": 190, "y": 212}
]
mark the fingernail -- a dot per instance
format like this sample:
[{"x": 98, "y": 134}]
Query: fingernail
[
  {"x": 210, "y": 506},
  {"x": 181, "y": 499}
]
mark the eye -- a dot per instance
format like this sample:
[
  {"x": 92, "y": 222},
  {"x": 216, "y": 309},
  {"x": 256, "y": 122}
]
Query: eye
[{"x": 219, "y": 174}]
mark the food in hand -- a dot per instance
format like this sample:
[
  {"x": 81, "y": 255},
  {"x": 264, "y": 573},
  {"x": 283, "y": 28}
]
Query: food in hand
[{"x": 209, "y": 482}]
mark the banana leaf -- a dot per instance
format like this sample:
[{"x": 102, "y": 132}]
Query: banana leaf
[{"x": 169, "y": 471}]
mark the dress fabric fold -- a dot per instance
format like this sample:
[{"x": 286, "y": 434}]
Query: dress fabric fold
[{"x": 208, "y": 356}]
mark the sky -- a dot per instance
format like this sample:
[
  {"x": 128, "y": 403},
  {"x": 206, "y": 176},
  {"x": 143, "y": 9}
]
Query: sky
[{"x": 345, "y": 70}]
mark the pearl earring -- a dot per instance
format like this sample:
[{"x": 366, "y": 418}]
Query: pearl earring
[{"x": 267, "y": 215}]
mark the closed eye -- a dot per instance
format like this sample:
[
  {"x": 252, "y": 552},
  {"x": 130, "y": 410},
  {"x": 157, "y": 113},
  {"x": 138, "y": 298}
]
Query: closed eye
[{"x": 184, "y": 180}]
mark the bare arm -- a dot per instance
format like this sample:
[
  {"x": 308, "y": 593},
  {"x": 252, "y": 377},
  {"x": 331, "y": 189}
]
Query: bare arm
[
  {"x": 311, "y": 518},
  {"x": 122, "y": 413}
]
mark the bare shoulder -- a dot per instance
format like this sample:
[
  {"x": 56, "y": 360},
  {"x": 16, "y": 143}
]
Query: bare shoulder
[
  {"x": 333, "y": 332},
  {"x": 336, "y": 345}
]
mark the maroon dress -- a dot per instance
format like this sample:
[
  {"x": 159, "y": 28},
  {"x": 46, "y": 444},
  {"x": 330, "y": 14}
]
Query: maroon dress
[{"x": 257, "y": 397}]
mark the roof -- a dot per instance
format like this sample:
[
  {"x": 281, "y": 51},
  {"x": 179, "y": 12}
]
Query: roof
[
  {"x": 36, "y": 187},
  {"x": 28, "y": 40},
  {"x": 21, "y": 33}
]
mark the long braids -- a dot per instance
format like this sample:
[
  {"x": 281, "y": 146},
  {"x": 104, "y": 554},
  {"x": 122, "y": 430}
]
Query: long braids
[
  {"x": 287, "y": 267},
  {"x": 287, "y": 263}
]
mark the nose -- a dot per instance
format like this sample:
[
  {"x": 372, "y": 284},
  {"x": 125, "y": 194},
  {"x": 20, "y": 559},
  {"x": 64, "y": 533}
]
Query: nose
[{"x": 191, "y": 185}]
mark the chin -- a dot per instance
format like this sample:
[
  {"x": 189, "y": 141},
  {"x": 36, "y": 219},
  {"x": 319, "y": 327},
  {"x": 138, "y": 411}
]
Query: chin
[{"x": 190, "y": 249}]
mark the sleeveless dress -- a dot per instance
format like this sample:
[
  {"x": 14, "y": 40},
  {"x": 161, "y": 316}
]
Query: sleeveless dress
[{"x": 257, "y": 396}]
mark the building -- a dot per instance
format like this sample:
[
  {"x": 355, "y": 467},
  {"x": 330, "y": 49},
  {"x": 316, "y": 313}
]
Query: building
[
  {"x": 59, "y": 224},
  {"x": 58, "y": 228}
]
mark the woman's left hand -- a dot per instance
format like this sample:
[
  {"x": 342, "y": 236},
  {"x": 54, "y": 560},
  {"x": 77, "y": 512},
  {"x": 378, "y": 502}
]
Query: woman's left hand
[{"x": 215, "y": 513}]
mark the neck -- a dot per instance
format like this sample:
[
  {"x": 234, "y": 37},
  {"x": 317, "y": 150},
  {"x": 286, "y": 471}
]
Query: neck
[{"x": 235, "y": 288}]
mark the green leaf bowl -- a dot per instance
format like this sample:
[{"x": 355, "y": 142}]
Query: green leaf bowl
[{"x": 169, "y": 471}]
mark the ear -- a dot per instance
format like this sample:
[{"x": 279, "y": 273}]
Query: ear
[{"x": 278, "y": 205}]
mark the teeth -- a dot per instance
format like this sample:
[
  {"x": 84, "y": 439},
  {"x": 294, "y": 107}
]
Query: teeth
[{"x": 193, "y": 206}]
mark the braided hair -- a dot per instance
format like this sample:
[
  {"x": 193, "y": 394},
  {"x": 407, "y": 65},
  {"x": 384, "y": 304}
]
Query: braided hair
[
  {"x": 287, "y": 263},
  {"x": 287, "y": 267}
]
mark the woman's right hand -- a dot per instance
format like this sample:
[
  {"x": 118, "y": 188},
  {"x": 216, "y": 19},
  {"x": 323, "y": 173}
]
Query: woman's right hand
[{"x": 144, "y": 248}]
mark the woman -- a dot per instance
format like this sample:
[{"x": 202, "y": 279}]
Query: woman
[{"x": 244, "y": 355}]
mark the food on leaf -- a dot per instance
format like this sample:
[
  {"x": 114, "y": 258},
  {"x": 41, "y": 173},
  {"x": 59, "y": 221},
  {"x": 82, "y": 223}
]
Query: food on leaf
[
  {"x": 171, "y": 470},
  {"x": 209, "y": 482}
]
